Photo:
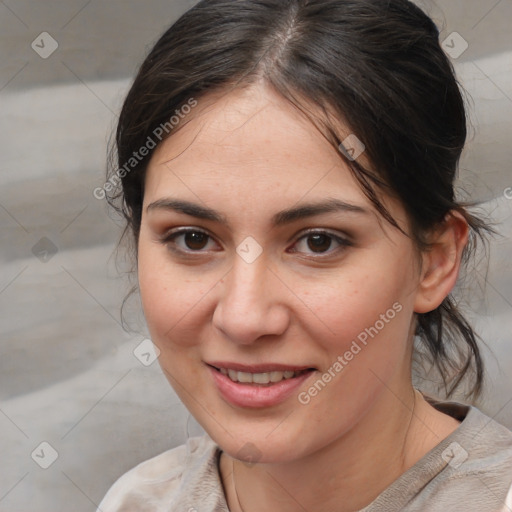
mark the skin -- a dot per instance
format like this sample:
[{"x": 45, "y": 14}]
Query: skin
[{"x": 249, "y": 154}]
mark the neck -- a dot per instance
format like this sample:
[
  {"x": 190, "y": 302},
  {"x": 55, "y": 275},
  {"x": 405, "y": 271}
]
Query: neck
[{"x": 349, "y": 473}]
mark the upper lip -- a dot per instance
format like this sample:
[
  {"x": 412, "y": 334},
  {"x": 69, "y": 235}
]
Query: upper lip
[{"x": 258, "y": 368}]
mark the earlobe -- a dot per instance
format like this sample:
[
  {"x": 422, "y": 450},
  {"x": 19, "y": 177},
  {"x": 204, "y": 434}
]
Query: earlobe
[{"x": 441, "y": 262}]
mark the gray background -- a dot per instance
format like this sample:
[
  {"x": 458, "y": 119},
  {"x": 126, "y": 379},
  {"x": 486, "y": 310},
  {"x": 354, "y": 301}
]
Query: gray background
[{"x": 68, "y": 373}]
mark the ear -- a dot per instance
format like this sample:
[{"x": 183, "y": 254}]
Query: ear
[{"x": 441, "y": 262}]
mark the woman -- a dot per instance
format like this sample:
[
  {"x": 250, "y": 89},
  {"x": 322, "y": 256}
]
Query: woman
[{"x": 286, "y": 171}]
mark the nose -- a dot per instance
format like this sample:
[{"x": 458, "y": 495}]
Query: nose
[{"x": 251, "y": 304}]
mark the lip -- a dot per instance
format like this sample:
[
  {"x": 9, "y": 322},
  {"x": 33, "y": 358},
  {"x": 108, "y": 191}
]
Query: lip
[
  {"x": 257, "y": 368},
  {"x": 254, "y": 395}
]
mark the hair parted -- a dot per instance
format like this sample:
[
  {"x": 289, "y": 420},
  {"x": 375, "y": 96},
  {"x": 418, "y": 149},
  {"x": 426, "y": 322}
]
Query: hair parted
[{"x": 376, "y": 66}]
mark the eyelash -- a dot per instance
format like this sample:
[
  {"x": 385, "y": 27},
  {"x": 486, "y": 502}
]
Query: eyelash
[{"x": 169, "y": 240}]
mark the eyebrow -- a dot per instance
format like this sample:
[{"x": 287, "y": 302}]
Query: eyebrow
[{"x": 287, "y": 216}]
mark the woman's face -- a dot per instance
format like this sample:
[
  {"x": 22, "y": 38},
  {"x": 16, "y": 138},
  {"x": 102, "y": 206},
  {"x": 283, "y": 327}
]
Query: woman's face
[{"x": 258, "y": 255}]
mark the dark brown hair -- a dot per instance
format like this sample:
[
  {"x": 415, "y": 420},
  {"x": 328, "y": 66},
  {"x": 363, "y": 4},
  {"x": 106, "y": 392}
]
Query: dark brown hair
[{"x": 376, "y": 65}]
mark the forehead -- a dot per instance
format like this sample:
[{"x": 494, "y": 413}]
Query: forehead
[{"x": 254, "y": 142}]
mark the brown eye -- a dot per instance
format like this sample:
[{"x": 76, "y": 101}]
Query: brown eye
[
  {"x": 189, "y": 241},
  {"x": 319, "y": 242},
  {"x": 196, "y": 240}
]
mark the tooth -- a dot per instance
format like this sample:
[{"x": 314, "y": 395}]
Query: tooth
[
  {"x": 244, "y": 377},
  {"x": 258, "y": 378},
  {"x": 276, "y": 376},
  {"x": 261, "y": 378}
]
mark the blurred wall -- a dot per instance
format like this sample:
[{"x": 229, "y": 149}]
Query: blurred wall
[{"x": 77, "y": 394}]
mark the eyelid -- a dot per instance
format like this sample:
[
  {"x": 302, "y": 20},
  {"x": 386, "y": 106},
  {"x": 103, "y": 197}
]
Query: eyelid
[
  {"x": 324, "y": 231},
  {"x": 168, "y": 237},
  {"x": 344, "y": 241},
  {"x": 182, "y": 229}
]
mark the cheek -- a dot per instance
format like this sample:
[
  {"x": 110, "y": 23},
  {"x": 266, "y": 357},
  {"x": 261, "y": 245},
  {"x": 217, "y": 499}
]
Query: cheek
[
  {"x": 350, "y": 304},
  {"x": 365, "y": 315},
  {"x": 364, "y": 340},
  {"x": 172, "y": 298}
]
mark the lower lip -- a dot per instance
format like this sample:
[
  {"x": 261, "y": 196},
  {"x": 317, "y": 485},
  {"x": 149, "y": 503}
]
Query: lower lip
[{"x": 254, "y": 395}]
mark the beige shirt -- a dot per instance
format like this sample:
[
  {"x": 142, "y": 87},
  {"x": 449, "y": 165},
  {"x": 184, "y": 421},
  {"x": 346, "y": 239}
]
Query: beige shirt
[{"x": 470, "y": 471}]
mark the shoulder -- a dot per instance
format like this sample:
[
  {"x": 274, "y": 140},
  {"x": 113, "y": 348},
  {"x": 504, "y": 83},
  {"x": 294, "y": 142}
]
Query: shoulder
[
  {"x": 478, "y": 466},
  {"x": 485, "y": 446},
  {"x": 158, "y": 483},
  {"x": 470, "y": 470}
]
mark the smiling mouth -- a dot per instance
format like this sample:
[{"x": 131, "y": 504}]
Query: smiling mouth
[{"x": 261, "y": 378}]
